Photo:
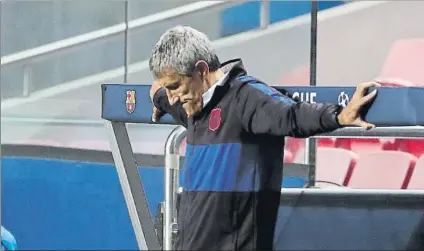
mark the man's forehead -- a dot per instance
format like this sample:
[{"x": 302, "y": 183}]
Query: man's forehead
[
  {"x": 169, "y": 79},
  {"x": 167, "y": 72},
  {"x": 168, "y": 76}
]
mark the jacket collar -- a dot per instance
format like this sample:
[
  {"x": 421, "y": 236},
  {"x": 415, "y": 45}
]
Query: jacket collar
[
  {"x": 231, "y": 69},
  {"x": 207, "y": 96}
]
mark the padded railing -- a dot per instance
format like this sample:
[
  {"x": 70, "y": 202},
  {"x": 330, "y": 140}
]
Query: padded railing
[{"x": 393, "y": 106}]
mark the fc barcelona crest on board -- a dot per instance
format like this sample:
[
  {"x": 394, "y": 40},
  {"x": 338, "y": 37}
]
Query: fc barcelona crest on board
[{"x": 130, "y": 101}]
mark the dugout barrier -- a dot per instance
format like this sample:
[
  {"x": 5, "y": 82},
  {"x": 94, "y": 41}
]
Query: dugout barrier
[{"x": 403, "y": 121}]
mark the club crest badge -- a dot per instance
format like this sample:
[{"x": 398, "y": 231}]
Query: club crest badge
[
  {"x": 130, "y": 101},
  {"x": 215, "y": 119}
]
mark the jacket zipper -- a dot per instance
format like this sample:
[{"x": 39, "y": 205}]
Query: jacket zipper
[
  {"x": 192, "y": 152},
  {"x": 194, "y": 139},
  {"x": 189, "y": 180}
]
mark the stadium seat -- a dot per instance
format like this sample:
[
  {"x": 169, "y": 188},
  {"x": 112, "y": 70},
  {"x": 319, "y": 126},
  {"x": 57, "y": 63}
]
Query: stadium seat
[
  {"x": 326, "y": 142},
  {"x": 297, "y": 146},
  {"x": 383, "y": 170},
  {"x": 413, "y": 146},
  {"x": 333, "y": 164},
  {"x": 417, "y": 178},
  {"x": 296, "y": 77},
  {"x": 404, "y": 64},
  {"x": 288, "y": 156},
  {"x": 182, "y": 148},
  {"x": 359, "y": 145},
  {"x": 293, "y": 145},
  {"x": 395, "y": 83}
]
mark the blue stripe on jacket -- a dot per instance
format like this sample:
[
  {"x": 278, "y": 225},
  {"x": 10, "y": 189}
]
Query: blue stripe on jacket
[
  {"x": 219, "y": 167},
  {"x": 231, "y": 167},
  {"x": 276, "y": 95}
]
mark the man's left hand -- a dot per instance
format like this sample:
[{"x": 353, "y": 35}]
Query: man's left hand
[
  {"x": 156, "y": 113},
  {"x": 350, "y": 115}
]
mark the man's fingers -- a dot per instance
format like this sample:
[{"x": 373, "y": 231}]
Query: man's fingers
[
  {"x": 363, "y": 87},
  {"x": 155, "y": 114},
  {"x": 368, "y": 97},
  {"x": 174, "y": 100},
  {"x": 358, "y": 100},
  {"x": 366, "y": 125}
]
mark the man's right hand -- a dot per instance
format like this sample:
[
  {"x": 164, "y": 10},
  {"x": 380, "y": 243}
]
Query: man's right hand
[
  {"x": 156, "y": 114},
  {"x": 351, "y": 115}
]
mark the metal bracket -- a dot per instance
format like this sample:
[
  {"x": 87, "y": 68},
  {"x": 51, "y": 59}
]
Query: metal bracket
[{"x": 132, "y": 187}]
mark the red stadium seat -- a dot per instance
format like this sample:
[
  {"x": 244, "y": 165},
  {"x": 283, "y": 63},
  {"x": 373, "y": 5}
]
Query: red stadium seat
[
  {"x": 297, "y": 146},
  {"x": 404, "y": 64},
  {"x": 182, "y": 148},
  {"x": 395, "y": 83},
  {"x": 383, "y": 170},
  {"x": 293, "y": 145},
  {"x": 296, "y": 77},
  {"x": 288, "y": 156},
  {"x": 413, "y": 146},
  {"x": 326, "y": 142},
  {"x": 332, "y": 164},
  {"x": 335, "y": 165},
  {"x": 359, "y": 145},
  {"x": 417, "y": 179}
]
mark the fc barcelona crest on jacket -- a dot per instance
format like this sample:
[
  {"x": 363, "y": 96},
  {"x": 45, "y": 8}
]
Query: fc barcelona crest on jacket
[
  {"x": 130, "y": 101},
  {"x": 215, "y": 119}
]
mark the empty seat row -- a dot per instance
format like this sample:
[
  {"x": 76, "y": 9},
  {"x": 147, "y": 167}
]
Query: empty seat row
[
  {"x": 372, "y": 170},
  {"x": 413, "y": 146}
]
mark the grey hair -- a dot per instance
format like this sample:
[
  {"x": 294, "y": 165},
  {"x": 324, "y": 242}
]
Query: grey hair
[{"x": 179, "y": 49}]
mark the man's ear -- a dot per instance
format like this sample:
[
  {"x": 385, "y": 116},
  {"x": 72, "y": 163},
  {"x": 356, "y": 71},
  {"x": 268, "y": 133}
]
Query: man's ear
[{"x": 202, "y": 68}]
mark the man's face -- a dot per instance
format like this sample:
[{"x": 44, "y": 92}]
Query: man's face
[{"x": 184, "y": 89}]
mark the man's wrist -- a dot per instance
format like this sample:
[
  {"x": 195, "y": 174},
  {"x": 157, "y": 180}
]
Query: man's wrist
[
  {"x": 330, "y": 120},
  {"x": 339, "y": 117}
]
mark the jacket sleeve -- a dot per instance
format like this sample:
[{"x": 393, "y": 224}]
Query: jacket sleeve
[
  {"x": 263, "y": 110},
  {"x": 160, "y": 101}
]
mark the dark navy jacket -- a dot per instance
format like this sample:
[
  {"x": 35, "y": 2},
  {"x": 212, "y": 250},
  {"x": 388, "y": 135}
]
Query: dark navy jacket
[{"x": 233, "y": 167}]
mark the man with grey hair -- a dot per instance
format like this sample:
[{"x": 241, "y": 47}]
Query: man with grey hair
[{"x": 236, "y": 126}]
